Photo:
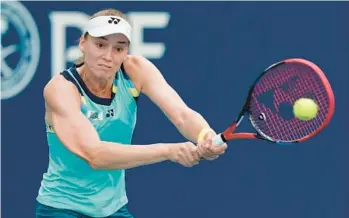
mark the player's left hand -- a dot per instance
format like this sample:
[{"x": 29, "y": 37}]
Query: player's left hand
[{"x": 209, "y": 151}]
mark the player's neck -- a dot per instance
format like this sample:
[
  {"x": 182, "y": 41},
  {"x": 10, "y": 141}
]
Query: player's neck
[{"x": 99, "y": 87}]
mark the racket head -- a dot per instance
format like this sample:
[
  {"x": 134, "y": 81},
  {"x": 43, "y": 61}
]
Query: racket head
[{"x": 273, "y": 94}]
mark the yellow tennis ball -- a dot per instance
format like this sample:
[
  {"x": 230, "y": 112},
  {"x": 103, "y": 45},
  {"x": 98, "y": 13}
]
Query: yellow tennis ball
[{"x": 305, "y": 109}]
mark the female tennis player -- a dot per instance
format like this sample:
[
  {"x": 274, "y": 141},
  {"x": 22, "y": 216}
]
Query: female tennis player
[{"x": 90, "y": 117}]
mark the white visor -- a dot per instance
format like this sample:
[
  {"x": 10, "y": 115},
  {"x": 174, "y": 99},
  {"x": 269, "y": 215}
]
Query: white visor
[{"x": 106, "y": 25}]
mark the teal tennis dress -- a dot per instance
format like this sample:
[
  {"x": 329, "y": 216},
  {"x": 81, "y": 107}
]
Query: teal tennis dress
[{"x": 70, "y": 183}]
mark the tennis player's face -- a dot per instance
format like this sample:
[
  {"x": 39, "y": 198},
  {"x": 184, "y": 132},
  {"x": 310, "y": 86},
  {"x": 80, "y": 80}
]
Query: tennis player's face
[{"x": 104, "y": 55}]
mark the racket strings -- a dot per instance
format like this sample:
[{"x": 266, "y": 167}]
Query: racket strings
[
  {"x": 302, "y": 128},
  {"x": 301, "y": 81}
]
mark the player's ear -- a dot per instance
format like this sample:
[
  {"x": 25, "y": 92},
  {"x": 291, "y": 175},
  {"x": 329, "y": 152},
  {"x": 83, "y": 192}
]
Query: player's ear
[{"x": 82, "y": 42}]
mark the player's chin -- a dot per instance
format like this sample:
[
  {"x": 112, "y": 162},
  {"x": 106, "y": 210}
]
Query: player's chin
[{"x": 105, "y": 73}]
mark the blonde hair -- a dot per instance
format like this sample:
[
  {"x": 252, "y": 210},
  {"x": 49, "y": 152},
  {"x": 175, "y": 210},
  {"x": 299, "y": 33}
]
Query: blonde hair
[{"x": 105, "y": 12}]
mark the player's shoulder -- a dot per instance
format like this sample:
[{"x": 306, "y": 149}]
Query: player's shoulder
[
  {"x": 57, "y": 82},
  {"x": 59, "y": 86},
  {"x": 133, "y": 62},
  {"x": 135, "y": 67}
]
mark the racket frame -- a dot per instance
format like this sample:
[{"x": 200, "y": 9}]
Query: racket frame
[{"x": 229, "y": 133}]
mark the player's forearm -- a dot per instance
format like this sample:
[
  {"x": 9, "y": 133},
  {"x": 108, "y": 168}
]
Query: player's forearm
[
  {"x": 117, "y": 156},
  {"x": 191, "y": 124}
]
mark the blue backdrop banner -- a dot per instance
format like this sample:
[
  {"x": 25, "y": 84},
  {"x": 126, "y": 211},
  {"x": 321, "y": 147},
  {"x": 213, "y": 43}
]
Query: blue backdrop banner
[{"x": 210, "y": 52}]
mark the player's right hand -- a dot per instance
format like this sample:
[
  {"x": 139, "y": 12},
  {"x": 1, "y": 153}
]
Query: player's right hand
[{"x": 184, "y": 153}]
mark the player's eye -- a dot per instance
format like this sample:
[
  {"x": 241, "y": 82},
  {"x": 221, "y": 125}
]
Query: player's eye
[
  {"x": 99, "y": 45},
  {"x": 118, "y": 49}
]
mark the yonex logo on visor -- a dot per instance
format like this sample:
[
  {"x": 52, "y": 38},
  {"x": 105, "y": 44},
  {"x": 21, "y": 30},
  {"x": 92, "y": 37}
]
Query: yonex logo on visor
[
  {"x": 114, "y": 19},
  {"x": 100, "y": 26}
]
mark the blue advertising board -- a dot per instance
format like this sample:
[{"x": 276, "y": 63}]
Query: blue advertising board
[{"x": 210, "y": 53}]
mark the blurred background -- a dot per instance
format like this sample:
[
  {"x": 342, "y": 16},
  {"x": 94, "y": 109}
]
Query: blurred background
[{"x": 209, "y": 52}]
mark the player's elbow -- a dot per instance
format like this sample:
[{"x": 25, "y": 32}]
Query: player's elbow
[
  {"x": 101, "y": 155},
  {"x": 181, "y": 117},
  {"x": 91, "y": 154},
  {"x": 96, "y": 163},
  {"x": 95, "y": 160},
  {"x": 100, "y": 158}
]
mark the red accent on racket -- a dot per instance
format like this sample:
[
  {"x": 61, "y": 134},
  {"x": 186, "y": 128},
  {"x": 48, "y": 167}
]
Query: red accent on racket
[{"x": 270, "y": 101}]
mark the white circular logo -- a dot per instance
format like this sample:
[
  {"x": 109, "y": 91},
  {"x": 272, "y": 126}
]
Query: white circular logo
[{"x": 20, "y": 48}]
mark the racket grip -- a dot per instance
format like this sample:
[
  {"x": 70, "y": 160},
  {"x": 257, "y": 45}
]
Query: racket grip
[{"x": 217, "y": 140}]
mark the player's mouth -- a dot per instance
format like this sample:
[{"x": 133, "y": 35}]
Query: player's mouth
[{"x": 104, "y": 66}]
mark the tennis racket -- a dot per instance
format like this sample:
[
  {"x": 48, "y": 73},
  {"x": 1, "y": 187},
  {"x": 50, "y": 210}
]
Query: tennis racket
[{"x": 269, "y": 105}]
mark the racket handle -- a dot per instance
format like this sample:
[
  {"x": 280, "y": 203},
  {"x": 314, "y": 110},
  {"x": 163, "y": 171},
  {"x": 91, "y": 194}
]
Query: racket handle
[{"x": 218, "y": 140}]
